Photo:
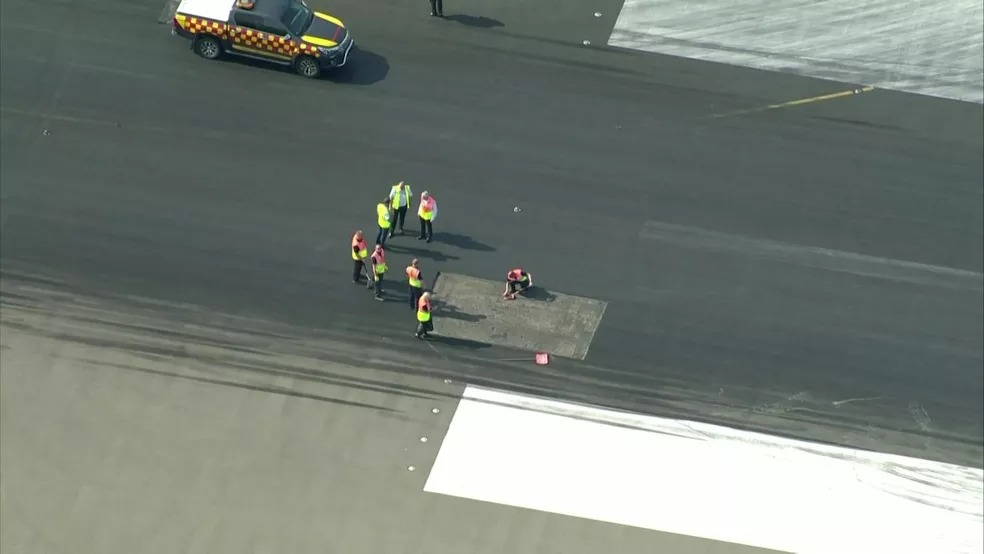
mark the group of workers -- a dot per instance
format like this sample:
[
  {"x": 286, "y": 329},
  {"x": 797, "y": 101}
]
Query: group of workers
[{"x": 391, "y": 214}]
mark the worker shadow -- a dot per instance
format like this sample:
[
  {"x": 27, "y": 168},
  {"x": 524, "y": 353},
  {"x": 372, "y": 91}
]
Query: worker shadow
[
  {"x": 456, "y": 342},
  {"x": 478, "y": 21},
  {"x": 539, "y": 294},
  {"x": 450, "y": 311},
  {"x": 462, "y": 241},
  {"x": 396, "y": 291},
  {"x": 419, "y": 252}
]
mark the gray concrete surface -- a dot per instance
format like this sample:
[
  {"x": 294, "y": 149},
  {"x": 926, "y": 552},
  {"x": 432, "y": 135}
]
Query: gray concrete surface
[
  {"x": 124, "y": 432},
  {"x": 933, "y": 47},
  {"x": 229, "y": 191},
  {"x": 539, "y": 320}
]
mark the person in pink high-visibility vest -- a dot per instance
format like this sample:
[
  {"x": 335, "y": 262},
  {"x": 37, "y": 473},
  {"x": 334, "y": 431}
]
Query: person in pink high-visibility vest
[{"x": 427, "y": 212}]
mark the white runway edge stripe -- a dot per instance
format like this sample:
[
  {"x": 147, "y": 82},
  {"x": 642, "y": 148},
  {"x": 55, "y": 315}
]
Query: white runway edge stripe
[{"x": 704, "y": 480}]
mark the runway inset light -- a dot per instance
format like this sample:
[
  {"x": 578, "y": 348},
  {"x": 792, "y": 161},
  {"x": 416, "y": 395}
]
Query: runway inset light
[
  {"x": 586, "y": 42},
  {"x": 597, "y": 14},
  {"x": 411, "y": 468},
  {"x": 423, "y": 439},
  {"x": 435, "y": 411}
]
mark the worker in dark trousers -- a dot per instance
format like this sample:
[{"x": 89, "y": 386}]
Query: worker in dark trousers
[
  {"x": 425, "y": 324},
  {"x": 384, "y": 219},
  {"x": 517, "y": 281},
  {"x": 359, "y": 254},
  {"x": 427, "y": 212},
  {"x": 400, "y": 198},
  {"x": 415, "y": 282},
  {"x": 378, "y": 271},
  {"x": 437, "y": 8}
]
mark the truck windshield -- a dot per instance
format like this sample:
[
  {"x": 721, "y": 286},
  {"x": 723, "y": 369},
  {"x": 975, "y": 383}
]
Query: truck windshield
[{"x": 297, "y": 17}]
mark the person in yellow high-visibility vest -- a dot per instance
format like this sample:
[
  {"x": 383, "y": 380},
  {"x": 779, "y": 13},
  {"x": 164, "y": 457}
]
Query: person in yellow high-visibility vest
[
  {"x": 427, "y": 212},
  {"x": 359, "y": 255},
  {"x": 400, "y": 199},
  {"x": 425, "y": 324},
  {"x": 378, "y": 270},
  {"x": 383, "y": 220},
  {"x": 415, "y": 282}
]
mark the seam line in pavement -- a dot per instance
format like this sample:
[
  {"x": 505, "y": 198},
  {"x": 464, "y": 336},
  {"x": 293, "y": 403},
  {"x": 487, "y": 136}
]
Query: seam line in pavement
[{"x": 811, "y": 256}]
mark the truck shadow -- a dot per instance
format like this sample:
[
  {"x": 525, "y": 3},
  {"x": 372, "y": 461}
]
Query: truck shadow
[{"x": 364, "y": 68}]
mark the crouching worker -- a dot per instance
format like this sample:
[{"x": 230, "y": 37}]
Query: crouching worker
[
  {"x": 425, "y": 324},
  {"x": 517, "y": 281}
]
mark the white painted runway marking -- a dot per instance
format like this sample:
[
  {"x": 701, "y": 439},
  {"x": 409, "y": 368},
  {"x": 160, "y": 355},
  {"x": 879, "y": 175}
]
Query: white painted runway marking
[
  {"x": 811, "y": 256},
  {"x": 704, "y": 480},
  {"x": 931, "y": 47}
]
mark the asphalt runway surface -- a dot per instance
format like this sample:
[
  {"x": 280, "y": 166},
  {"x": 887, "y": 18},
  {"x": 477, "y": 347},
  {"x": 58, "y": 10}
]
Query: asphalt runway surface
[
  {"x": 131, "y": 168},
  {"x": 238, "y": 187}
]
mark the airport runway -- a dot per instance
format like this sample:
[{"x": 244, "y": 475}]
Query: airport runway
[{"x": 812, "y": 270}]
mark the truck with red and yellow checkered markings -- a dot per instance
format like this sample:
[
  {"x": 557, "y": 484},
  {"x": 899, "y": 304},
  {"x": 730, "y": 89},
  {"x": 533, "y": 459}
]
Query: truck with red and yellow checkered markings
[{"x": 286, "y": 32}]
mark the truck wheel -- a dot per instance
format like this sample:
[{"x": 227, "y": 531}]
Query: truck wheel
[
  {"x": 306, "y": 66},
  {"x": 208, "y": 47}
]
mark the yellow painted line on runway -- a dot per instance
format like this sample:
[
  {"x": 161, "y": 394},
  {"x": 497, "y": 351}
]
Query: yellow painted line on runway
[{"x": 800, "y": 102}]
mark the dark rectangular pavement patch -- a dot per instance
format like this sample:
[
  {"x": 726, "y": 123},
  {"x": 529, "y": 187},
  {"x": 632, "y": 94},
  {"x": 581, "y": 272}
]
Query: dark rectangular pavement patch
[{"x": 539, "y": 320}]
